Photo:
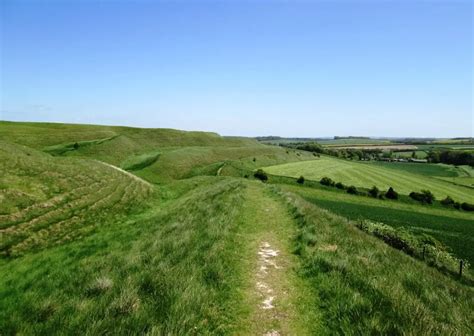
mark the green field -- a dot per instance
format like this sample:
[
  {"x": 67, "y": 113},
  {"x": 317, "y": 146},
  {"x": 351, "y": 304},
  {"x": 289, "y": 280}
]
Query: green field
[
  {"x": 408, "y": 154},
  {"x": 366, "y": 175},
  {"x": 435, "y": 146},
  {"x": 451, "y": 227},
  {"x": 353, "y": 142},
  {"x": 117, "y": 230}
]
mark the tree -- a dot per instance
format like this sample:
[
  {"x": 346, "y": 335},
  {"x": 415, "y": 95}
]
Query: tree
[
  {"x": 387, "y": 154},
  {"x": 300, "y": 180},
  {"x": 327, "y": 181},
  {"x": 374, "y": 192},
  {"x": 467, "y": 206},
  {"x": 391, "y": 194},
  {"x": 76, "y": 146},
  {"x": 261, "y": 175},
  {"x": 352, "y": 190},
  {"x": 425, "y": 196},
  {"x": 339, "y": 185},
  {"x": 448, "y": 201},
  {"x": 428, "y": 196}
]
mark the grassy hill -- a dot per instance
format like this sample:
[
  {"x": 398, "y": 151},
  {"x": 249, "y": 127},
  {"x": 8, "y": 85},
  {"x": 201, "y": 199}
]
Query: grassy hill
[
  {"x": 366, "y": 175},
  {"x": 47, "y": 200},
  {"x": 169, "y": 153},
  {"x": 163, "y": 232}
]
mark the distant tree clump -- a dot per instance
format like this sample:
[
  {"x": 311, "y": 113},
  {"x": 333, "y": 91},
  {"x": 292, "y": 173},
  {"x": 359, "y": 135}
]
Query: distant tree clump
[
  {"x": 339, "y": 185},
  {"x": 391, "y": 194},
  {"x": 300, "y": 180},
  {"x": 454, "y": 157},
  {"x": 309, "y": 147},
  {"x": 352, "y": 190},
  {"x": 425, "y": 196},
  {"x": 327, "y": 181},
  {"x": 261, "y": 175},
  {"x": 374, "y": 192}
]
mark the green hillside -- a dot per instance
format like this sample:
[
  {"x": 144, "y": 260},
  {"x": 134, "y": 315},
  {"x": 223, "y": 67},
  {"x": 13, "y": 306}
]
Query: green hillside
[
  {"x": 451, "y": 227},
  {"x": 117, "y": 230},
  {"x": 366, "y": 175},
  {"x": 47, "y": 200}
]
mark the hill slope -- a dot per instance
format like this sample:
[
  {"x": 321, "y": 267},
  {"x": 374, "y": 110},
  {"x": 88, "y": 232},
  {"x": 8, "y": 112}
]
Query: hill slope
[{"x": 46, "y": 200}]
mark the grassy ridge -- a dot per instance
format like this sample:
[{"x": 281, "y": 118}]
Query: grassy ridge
[
  {"x": 191, "y": 161},
  {"x": 368, "y": 174},
  {"x": 123, "y": 142},
  {"x": 160, "y": 272},
  {"x": 140, "y": 161},
  {"x": 49, "y": 200},
  {"x": 358, "y": 295}
]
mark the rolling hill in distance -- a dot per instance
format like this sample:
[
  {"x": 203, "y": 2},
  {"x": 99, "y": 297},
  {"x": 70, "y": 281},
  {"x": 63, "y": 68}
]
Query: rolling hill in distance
[{"x": 166, "y": 232}]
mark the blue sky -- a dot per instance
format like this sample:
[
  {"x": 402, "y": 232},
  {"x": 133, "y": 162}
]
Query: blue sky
[{"x": 299, "y": 68}]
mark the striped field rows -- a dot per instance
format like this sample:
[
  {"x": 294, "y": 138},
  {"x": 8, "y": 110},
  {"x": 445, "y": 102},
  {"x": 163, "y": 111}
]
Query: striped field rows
[{"x": 367, "y": 175}]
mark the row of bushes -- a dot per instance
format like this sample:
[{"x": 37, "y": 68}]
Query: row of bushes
[
  {"x": 422, "y": 247},
  {"x": 427, "y": 197},
  {"x": 373, "y": 192},
  {"x": 424, "y": 197},
  {"x": 449, "y": 202}
]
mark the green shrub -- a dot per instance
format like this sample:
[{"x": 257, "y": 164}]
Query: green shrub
[
  {"x": 448, "y": 201},
  {"x": 339, "y": 185},
  {"x": 422, "y": 247},
  {"x": 261, "y": 175},
  {"x": 300, "y": 180},
  {"x": 327, "y": 181},
  {"x": 467, "y": 206},
  {"x": 352, "y": 190},
  {"x": 391, "y": 194},
  {"x": 424, "y": 197},
  {"x": 374, "y": 192}
]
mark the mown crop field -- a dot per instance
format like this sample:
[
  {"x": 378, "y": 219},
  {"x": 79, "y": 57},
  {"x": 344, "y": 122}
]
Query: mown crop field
[
  {"x": 366, "y": 175},
  {"x": 117, "y": 230},
  {"x": 330, "y": 142}
]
